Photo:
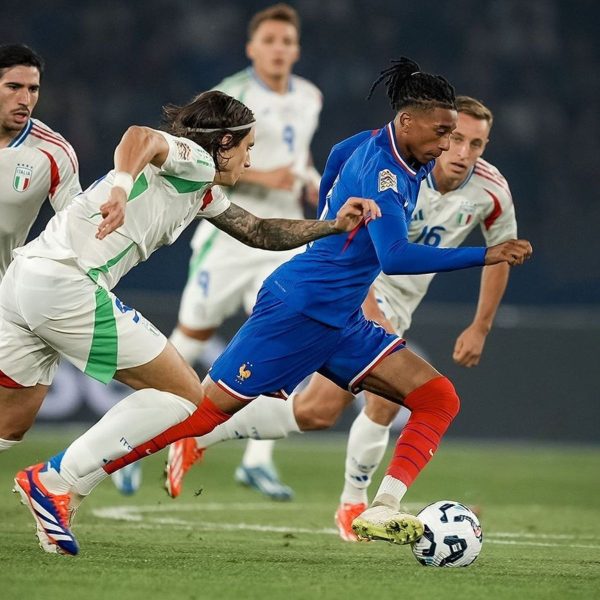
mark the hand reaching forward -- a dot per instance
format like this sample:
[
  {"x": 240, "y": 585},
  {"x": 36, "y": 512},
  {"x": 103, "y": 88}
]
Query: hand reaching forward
[
  {"x": 113, "y": 211},
  {"x": 514, "y": 252},
  {"x": 354, "y": 210}
]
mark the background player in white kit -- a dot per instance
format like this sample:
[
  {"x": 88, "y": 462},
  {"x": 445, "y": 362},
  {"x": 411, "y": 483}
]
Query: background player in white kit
[
  {"x": 36, "y": 163},
  {"x": 225, "y": 275},
  {"x": 463, "y": 192}
]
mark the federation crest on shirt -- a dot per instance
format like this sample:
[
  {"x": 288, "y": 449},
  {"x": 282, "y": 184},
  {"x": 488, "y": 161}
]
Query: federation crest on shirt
[
  {"x": 466, "y": 212},
  {"x": 22, "y": 177},
  {"x": 387, "y": 181}
]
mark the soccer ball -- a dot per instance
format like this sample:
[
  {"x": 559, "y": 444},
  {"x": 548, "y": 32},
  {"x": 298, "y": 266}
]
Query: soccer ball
[{"x": 452, "y": 537}]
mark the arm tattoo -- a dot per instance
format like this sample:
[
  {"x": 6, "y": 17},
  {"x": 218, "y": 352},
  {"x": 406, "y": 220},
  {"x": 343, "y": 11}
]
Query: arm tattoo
[{"x": 270, "y": 234}]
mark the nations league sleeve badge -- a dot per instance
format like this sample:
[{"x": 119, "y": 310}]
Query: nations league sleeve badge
[{"x": 387, "y": 181}]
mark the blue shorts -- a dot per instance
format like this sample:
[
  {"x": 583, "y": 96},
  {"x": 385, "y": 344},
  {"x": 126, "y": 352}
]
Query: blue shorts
[{"x": 278, "y": 347}]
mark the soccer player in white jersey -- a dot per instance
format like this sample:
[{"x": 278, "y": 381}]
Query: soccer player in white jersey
[
  {"x": 462, "y": 193},
  {"x": 56, "y": 299},
  {"x": 224, "y": 275},
  {"x": 36, "y": 163}
]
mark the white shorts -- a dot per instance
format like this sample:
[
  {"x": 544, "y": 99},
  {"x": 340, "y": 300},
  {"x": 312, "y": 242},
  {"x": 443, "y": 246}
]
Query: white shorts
[
  {"x": 224, "y": 276},
  {"x": 386, "y": 306},
  {"x": 50, "y": 309}
]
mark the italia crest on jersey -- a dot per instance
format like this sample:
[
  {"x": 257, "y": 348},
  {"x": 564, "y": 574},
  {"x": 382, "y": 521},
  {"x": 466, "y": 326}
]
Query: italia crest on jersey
[
  {"x": 466, "y": 212},
  {"x": 22, "y": 177},
  {"x": 387, "y": 181}
]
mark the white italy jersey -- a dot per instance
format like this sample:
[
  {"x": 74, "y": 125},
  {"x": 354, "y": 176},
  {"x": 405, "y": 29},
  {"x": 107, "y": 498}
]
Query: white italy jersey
[
  {"x": 285, "y": 125},
  {"x": 38, "y": 164},
  {"x": 483, "y": 200},
  {"x": 161, "y": 205}
]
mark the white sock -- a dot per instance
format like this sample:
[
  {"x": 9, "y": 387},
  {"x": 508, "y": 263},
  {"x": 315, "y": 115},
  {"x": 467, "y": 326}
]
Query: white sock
[
  {"x": 367, "y": 443},
  {"x": 258, "y": 452},
  {"x": 390, "y": 492},
  {"x": 265, "y": 418},
  {"x": 136, "y": 419},
  {"x": 8, "y": 444},
  {"x": 84, "y": 485},
  {"x": 190, "y": 348}
]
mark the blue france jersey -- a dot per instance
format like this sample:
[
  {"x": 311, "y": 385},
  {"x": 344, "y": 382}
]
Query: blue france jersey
[{"x": 330, "y": 280}]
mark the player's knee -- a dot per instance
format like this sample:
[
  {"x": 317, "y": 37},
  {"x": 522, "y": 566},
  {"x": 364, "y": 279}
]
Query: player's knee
[
  {"x": 311, "y": 417},
  {"x": 437, "y": 395}
]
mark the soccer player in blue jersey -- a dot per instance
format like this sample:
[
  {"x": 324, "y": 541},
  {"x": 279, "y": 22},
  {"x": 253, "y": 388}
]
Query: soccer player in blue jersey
[{"x": 308, "y": 314}]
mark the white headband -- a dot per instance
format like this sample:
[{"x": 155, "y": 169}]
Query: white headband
[{"x": 213, "y": 129}]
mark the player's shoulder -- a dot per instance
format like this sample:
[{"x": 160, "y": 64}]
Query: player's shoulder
[
  {"x": 46, "y": 138},
  {"x": 487, "y": 176},
  {"x": 377, "y": 167},
  {"x": 235, "y": 84},
  {"x": 306, "y": 88},
  {"x": 186, "y": 159}
]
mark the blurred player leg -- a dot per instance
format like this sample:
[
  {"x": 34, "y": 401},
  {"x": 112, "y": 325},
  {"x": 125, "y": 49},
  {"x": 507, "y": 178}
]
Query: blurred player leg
[{"x": 257, "y": 471}]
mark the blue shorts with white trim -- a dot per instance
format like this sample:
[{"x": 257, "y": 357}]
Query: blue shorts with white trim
[{"x": 278, "y": 347}]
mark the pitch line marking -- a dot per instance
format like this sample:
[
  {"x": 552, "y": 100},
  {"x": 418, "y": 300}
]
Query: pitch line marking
[{"x": 134, "y": 515}]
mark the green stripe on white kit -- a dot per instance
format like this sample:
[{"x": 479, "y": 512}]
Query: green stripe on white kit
[
  {"x": 102, "y": 359},
  {"x": 203, "y": 251},
  {"x": 139, "y": 187},
  {"x": 185, "y": 186},
  {"x": 229, "y": 84}
]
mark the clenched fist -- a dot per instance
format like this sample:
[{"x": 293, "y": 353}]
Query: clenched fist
[{"x": 513, "y": 252}]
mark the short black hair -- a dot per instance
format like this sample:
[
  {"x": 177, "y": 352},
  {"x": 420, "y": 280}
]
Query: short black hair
[
  {"x": 13, "y": 55},
  {"x": 408, "y": 86},
  {"x": 209, "y": 110}
]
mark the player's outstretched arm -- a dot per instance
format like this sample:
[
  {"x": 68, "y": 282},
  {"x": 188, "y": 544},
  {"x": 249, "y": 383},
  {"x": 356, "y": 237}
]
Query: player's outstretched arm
[
  {"x": 469, "y": 345},
  {"x": 513, "y": 252},
  {"x": 284, "y": 234},
  {"x": 138, "y": 147}
]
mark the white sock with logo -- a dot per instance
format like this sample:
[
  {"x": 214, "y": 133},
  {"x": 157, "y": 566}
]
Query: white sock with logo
[
  {"x": 190, "y": 348},
  {"x": 367, "y": 443},
  {"x": 136, "y": 419},
  {"x": 265, "y": 418}
]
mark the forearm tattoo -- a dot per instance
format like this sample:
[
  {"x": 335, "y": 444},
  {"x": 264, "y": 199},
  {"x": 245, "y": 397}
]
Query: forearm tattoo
[{"x": 270, "y": 234}]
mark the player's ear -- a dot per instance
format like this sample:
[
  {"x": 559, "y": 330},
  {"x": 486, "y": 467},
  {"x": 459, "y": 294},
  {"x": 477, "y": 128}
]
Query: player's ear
[
  {"x": 226, "y": 139},
  {"x": 250, "y": 50},
  {"x": 404, "y": 120}
]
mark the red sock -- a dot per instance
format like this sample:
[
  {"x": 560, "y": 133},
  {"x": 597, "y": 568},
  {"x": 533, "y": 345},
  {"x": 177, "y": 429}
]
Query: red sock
[
  {"x": 433, "y": 407},
  {"x": 203, "y": 420}
]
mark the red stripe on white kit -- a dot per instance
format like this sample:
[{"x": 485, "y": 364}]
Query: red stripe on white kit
[{"x": 44, "y": 135}]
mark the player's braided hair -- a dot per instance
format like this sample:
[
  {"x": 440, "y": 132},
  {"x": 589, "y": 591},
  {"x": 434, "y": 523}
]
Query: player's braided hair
[
  {"x": 407, "y": 86},
  {"x": 211, "y": 110}
]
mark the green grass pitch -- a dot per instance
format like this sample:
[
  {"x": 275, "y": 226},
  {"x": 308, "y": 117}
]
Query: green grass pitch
[{"x": 540, "y": 517}]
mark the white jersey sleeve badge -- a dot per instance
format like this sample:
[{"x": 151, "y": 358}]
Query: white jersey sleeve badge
[{"x": 387, "y": 181}]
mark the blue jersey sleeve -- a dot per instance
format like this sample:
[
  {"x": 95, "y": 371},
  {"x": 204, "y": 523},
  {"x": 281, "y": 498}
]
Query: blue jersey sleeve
[
  {"x": 389, "y": 234},
  {"x": 339, "y": 154},
  {"x": 398, "y": 256}
]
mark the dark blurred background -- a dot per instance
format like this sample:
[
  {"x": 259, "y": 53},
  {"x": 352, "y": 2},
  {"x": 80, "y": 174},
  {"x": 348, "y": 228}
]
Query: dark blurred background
[{"x": 535, "y": 63}]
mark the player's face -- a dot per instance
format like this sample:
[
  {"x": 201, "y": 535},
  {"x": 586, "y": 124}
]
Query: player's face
[
  {"x": 427, "y": 132},
  {"x": 236, "y": 161},
  {"x": 467, "y": 143},
  {"x": 19, "y": 91},
  {"x": 274, "y": 49}
]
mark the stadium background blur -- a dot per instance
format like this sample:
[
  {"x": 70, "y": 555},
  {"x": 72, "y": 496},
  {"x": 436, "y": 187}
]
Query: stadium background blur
[{"x": 112, "y": 64}]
